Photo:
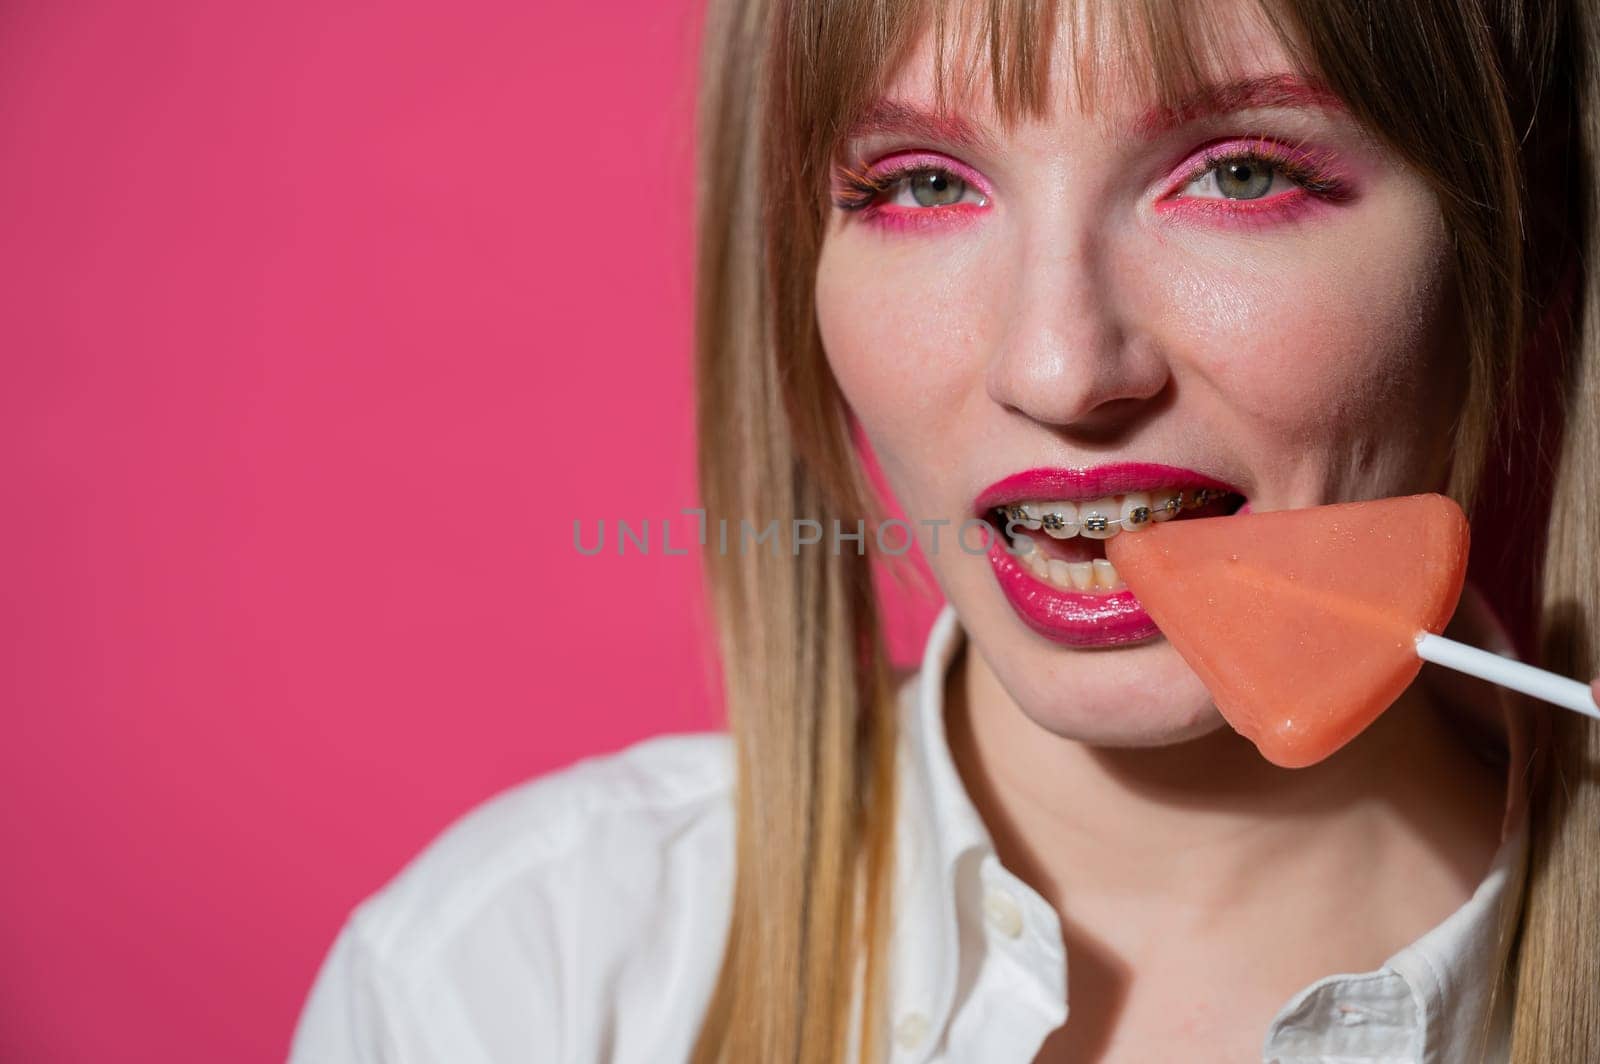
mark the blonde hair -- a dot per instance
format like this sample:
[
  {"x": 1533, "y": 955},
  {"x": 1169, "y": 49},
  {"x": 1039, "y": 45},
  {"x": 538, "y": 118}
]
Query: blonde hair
[{"x": 1494, "y": 103}]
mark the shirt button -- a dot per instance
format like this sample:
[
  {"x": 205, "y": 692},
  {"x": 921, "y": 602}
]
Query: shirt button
[
  {"x": 911, "y": 1030},
  {"x": 1002, "y": 913}
]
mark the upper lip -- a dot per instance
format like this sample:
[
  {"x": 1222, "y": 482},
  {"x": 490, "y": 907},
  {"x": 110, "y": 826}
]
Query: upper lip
[{"x": 1049, "y": 484}]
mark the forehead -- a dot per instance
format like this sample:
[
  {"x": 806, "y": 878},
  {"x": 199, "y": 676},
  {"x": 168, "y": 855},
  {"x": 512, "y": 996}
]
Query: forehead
[{"x": 1103, "y": 63}]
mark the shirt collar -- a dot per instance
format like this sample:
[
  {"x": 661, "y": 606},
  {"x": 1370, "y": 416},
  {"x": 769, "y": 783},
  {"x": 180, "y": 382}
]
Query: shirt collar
[{"x": 1424, "y": 1000}]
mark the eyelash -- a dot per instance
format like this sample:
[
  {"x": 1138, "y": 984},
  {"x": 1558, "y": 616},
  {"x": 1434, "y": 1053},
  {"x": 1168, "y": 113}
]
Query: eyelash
[
  {"x": 859, "y": 191},
  {"x": 1310, "y": 171}
]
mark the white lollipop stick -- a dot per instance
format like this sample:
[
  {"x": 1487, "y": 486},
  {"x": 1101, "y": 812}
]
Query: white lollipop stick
[{"x": 1507, "y": 672}]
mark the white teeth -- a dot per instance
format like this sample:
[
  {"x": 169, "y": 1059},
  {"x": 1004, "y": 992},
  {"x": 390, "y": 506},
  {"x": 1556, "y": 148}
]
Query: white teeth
[
  {"x": 1098, "y": 575},
  {"x": 1095, "y": 518},
  {"x": 1095, "y": 575},
  {"x": 1060, "y": 519},
  {"x": 1135, "y": 512}
]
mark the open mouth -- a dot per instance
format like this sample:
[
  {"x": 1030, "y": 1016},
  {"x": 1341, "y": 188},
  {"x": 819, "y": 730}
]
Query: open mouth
[{"x": 1061, "y": 542}]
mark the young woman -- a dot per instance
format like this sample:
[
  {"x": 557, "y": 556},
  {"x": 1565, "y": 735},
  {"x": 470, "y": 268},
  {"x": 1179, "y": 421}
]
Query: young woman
[{"x": 1064, "y": 263}]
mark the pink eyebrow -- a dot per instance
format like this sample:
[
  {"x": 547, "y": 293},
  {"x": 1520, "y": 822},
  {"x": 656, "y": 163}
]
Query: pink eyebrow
[
  {"x": 1272, "y": 90},
  {"x": 898, "y": 117}
]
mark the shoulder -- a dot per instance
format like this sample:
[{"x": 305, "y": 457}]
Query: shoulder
[
  {"x": 555, "y": 894},
  {"x": 564, "y": 837}
]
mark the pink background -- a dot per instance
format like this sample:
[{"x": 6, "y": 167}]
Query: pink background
[{"x": 322, "y": 323}]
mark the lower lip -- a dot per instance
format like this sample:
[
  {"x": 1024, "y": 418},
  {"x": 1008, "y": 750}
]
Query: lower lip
[{"x": 1071, "y": 618}]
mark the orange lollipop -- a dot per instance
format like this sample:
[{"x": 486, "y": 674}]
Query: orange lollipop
[{"x": 1305, "y": 625}]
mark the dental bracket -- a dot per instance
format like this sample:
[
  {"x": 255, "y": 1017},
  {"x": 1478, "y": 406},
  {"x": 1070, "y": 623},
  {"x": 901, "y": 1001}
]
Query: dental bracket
[{"x": 1098, "y": 522}]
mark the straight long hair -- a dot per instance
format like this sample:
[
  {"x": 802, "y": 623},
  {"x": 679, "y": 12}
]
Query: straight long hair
[{"x": 1495, "y": 103}]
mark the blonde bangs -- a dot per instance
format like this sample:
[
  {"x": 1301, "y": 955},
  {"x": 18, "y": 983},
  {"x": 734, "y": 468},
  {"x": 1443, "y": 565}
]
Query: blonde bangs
[{"x": 1159, "y": 51}]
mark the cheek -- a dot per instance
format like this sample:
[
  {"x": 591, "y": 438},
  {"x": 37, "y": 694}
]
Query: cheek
[
  {"x": 902, "y": 339},
  {"x": 1328, "y": 339}
]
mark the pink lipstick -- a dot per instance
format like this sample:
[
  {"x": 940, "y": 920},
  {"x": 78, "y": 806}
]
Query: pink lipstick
[{"x": 1080, "y": 617}]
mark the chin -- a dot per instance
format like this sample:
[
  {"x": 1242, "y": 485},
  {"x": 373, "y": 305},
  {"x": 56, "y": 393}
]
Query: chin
[
  {"x": 1134, "y": 695},
  {"x": 1102, "y": 711}
]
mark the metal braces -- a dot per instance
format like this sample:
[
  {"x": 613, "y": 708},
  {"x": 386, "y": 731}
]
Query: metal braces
[{"x": 1095, "y": 521}]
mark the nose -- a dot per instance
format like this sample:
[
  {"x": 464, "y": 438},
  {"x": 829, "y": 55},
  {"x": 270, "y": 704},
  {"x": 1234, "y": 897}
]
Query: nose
[{"x": 1071, "y": 355}]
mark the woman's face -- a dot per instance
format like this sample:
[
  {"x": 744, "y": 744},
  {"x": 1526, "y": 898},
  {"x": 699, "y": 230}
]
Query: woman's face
[{"x": 1119, "y": 303}]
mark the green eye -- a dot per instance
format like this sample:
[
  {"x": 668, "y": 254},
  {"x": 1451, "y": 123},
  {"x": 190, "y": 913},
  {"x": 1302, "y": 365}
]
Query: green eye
[
  {"x": 1244, "y": 178},
  {"x": 935, "y": 188}
]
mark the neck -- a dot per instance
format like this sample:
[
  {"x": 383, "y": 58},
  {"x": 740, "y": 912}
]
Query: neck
[{"x": 1205, "y": 831}]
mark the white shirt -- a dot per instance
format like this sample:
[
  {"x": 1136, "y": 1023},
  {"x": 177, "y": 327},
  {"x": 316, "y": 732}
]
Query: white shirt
[{"x": 581, "y": 916}]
